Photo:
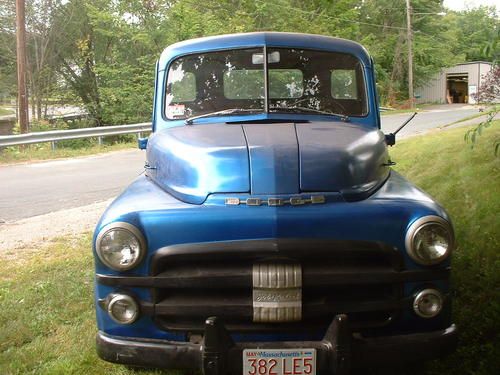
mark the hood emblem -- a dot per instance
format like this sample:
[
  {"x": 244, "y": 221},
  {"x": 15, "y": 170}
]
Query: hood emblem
[{"x": 294, "y": 201}]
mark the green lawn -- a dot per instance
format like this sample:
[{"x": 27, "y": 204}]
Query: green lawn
[
  {"x": 47, "y": 321},
  {"x": 43, "y": 151},
  {"x": 401, "y": 111},
  {"x": 47, "y": 314},
  {"x": 467, "y": 183},
  {"x": 5, "y": 112}
]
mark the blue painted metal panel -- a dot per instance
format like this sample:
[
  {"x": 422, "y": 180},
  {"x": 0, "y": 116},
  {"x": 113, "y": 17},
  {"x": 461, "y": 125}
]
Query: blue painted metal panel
[
  {"x": 193, "y": 169},
  {"x": 337, "y": 156},
  {"x": 274, "y": 158},
  {"x": 164, "y": 220},
  {"x": 194, "y": 161}
]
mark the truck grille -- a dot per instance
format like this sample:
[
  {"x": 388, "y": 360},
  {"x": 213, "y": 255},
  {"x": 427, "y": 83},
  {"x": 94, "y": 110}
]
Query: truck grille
[{"x": 195, "y": 281}]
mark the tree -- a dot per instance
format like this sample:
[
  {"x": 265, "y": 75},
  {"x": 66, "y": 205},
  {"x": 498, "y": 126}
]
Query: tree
[
  {"x": 104, "y": 51},
  {"x": 41, "y": 60},
  {"x": 472, "y": 30},
  {"x": 8, "y": 80},
  {"x": 489, "y": 91}
]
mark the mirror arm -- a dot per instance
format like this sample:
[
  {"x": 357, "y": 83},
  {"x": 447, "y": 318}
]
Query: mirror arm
[{"x": 390, "y": 138}]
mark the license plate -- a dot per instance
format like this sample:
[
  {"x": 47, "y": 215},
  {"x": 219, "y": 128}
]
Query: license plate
[{"x": 279, "y": 362}]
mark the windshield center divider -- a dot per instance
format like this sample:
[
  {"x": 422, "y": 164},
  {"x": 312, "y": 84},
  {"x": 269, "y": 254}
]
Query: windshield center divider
[{"x": 266, "y": 81}]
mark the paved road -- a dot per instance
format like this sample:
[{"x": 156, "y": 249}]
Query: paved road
[
  {"x": 33, "y": 189},
  {"x": 434, "y": 117}
]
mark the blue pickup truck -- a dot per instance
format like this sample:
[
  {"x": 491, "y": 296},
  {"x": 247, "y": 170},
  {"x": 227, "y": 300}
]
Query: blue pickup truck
[{"x": 269, "y": 234}]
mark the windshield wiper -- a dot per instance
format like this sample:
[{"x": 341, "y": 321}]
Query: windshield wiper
[
  {"x": 342, "y": 117},
  {"x": 229, "y": 111}
]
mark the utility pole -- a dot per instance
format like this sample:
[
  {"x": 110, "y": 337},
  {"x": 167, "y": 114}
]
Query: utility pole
[
  {"x": 410, "y": 53},
  {"x": 22, "y": 94}
]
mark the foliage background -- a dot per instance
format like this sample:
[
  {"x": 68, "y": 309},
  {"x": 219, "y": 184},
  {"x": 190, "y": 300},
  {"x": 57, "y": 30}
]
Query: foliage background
[{"x": 100, "y": 54}]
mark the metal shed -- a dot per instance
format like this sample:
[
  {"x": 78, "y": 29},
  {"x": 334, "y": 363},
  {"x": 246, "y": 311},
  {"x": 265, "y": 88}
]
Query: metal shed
[{"x": 455, "y": 84}]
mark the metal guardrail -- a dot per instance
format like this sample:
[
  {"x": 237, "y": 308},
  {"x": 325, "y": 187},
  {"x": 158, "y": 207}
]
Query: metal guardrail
[{"x": 61, "y": 135}]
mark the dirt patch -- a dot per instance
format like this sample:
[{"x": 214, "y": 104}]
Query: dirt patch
[{"x": 36, "y": 232}]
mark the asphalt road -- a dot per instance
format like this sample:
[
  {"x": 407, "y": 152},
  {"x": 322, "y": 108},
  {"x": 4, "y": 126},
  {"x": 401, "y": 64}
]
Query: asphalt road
[
  {"x": 34, "y": 189},
  {"x": 28, "y": 190},
  {"x": 430, "y": 119}
]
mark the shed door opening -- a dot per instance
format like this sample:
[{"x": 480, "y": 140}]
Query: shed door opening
[{"x": 457, "y": 88}]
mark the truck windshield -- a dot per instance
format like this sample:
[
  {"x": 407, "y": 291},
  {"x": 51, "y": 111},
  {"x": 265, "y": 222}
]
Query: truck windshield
[{"x": 299, "y": 81}]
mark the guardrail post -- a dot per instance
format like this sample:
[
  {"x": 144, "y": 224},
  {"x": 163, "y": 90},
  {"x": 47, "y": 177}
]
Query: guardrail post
[
  {"x": 99, "y": 141},
  {"x": 53, "y": 145}
]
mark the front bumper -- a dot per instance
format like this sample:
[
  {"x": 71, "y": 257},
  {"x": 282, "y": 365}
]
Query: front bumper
[{"x": 337, "y": 353}]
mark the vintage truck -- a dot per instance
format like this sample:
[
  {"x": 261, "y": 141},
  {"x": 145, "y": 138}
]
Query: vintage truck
[{"x": 269, "y": 234}]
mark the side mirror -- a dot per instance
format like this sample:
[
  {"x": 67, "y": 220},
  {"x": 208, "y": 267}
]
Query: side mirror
[
  {"x": 390, "y": 138},
  {"x": 142, "y": 143}
]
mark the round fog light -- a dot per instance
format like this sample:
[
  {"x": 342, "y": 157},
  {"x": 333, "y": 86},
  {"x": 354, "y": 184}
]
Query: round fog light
[
  {"x": 123, "y": 309},
  {"x": 428, "y": 303}
]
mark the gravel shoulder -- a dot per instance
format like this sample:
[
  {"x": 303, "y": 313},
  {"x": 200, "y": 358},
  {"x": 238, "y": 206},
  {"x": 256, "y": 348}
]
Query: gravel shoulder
[{"x": 35, "y": 233}]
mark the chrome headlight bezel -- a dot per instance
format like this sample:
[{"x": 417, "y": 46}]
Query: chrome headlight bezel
[
  {"x": 419, "y": 225},
  {"x": 122, "y": 226}
]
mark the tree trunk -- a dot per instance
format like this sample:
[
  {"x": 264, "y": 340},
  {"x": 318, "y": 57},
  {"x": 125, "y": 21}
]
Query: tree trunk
[
  {"x": 396, "y": 70},
  {"x": 39, "y": 106}
]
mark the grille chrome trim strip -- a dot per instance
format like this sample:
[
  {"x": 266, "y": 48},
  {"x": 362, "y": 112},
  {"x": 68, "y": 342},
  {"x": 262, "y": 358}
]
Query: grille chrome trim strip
[{"x": 273, "y": 202}]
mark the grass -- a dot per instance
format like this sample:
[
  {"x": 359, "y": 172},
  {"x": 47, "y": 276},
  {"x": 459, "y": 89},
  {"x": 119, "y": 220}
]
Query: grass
[
  {"x": 47, "y": 322},
  {"x": 5, "y": 112},
  {"x": 467, "y": 183},
  {"x": 399, "y": 111},
  {"x": 47, "y": 315},
  {"x": 418, "y": 108},
  {"x": 44, "y": 151}
]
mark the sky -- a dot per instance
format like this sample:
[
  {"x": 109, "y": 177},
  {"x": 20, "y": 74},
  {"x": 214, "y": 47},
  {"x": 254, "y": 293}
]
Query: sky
[{"x": 463, "y": 4}]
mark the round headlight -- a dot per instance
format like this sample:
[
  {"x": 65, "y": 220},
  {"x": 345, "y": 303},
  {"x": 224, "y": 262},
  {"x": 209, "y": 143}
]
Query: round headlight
[
  {"x": 428, "y": 303},
  {"x": 123, "y": 309},
  {"x": 120, "y": 246},
  {"x": 429, "y": 240}
]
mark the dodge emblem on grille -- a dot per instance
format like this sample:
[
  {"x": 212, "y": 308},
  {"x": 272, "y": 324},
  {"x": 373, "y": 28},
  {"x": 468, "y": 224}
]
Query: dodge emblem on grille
[{"x": 277, "y": 292}]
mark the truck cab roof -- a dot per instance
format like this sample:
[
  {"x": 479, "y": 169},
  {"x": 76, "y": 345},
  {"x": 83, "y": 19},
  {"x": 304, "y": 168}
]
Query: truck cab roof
[{"x": 259, "y": 39}]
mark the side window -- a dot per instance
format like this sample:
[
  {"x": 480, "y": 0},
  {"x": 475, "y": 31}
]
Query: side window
[
  {"x": 184, "y": 88},
  {"x": 344, "y": 84}
]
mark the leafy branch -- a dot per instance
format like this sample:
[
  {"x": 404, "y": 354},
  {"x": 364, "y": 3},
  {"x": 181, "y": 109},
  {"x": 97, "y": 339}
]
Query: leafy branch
[
  {"x": 472, "y": 134},
  {"x": 489, "y": 93}
]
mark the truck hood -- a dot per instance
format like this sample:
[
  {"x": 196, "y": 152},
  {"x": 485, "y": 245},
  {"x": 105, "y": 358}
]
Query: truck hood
[{"x": 191, "y": 162}]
